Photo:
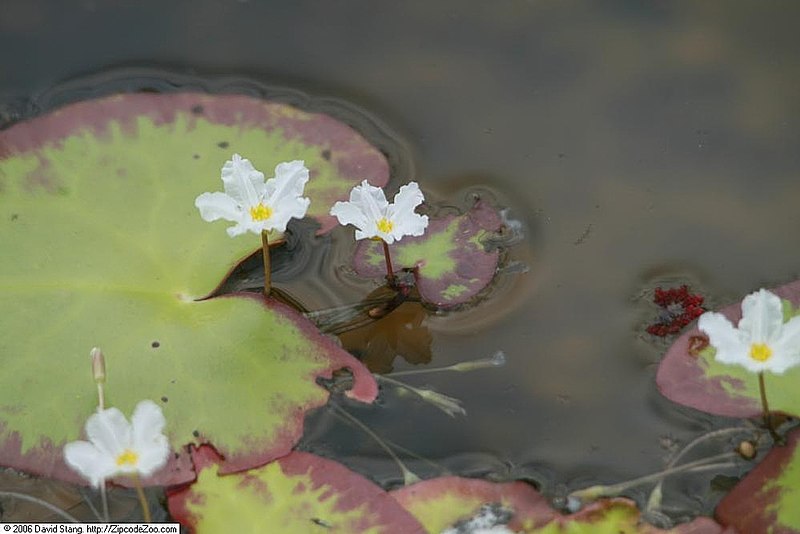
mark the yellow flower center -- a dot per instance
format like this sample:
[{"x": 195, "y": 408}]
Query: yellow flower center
[
  {"x": 260, "y": 212},
  {"x": 128, "y": 457},
  {"x": 760, "y": 352},
  {"x": 385, "y": 225}
]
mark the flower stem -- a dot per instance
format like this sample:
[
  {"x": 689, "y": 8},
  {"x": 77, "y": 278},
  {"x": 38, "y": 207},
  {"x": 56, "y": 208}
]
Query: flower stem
[
  {"x": 267, "y": 264},
  {"x": 142, "y": 499},
  {"x": 389, "y": 269},
  {"x": 765, "y": 408}
]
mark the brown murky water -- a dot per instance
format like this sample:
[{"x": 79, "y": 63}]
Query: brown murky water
[{"x": 638, "y": 144}]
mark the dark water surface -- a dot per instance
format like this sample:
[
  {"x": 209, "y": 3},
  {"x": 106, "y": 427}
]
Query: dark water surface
[{"x": 639, "y": 144}]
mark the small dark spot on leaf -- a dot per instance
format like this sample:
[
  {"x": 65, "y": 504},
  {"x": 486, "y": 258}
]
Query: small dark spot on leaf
[
  {"x": 320, "y": 522},
  {"x": 177, "y": 455},
  {"x": 326, "y": 155},
  {"x": 196, "y": 433},
  {"x": 155, "y": 344},
  {"x": 164, "y": 399},
  {"x": 223, "y": 144},
  {"x": 14, "y": 216},
  {"x": 63, "y": 191},
  {"x": 172, "y": 381},
  {"x": 197, "y": 110},
  {"x": 196, "y": 156}
]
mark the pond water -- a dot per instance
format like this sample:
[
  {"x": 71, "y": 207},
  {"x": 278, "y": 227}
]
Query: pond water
[{"x": 637, "y": 145}]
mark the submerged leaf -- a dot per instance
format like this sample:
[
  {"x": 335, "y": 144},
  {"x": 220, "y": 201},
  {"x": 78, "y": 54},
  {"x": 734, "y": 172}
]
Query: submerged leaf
[
  {"x": 299, "y": 493},
  {"x": 694, "y": 378},
  {"x": 450, "y": 261},
  {"x": 104, "y": 248},
  {"x": 768, "y": 498}
]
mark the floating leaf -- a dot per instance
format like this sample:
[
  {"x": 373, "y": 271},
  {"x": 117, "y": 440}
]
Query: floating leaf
[
  {"x": 443, "y": 502},
  {"x": 299, "y": 493},
  {"x": 450, "y": 261},
  {"x": 104, "y": 247},
  {"x": 703, "y": 383},
  {"x": 768, "y": 498}
]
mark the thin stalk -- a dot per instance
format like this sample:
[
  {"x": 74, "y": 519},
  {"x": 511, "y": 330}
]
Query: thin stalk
[
  {"x": 104, "y": 501},
  {"x": 497, "y": 360},
  {"x": 408, "y": 476},
  {"x": 101, "y": 405},
  {"x": 595, "y": 492},
  {"x": 267, "y": 264},
  {"x": 765, "y": 410},
  {"x": 44, "y": 504},
  {"x": 142, "y": 499},
  {"x": 389, "y": 269},
  {"x": 655, "y": 495}
]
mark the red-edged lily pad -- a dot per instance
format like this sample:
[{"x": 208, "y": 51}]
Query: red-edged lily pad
[
  {"x": 103, "y": 247},
  {"x": 443, "y": 502},
  {"x": 450, "y": 261},
  {"x": 767, "y": 500},
  {"x": 694, "y": 378},
  {"x": 299, "y": 493}
]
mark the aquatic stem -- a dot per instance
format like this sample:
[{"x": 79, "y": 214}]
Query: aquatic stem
[
  {"x": 498, "y": 359},
  {"x": 595, "y": 492},
  {"x": 142, "y": 499},
  {"x": 99, "y": 374},
  {"x": 267, "y": 263},
  {"x": 765, "y": 410},
  {"x": 409, "y": 477},
  {"x": 448, "y": 405},
  {"x": 44, "y": 504},
  {"x": 389, "y": 269},
  {"x": 655, "y": 496}
]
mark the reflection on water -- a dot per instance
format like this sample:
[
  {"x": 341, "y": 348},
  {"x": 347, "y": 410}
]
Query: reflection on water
[{"x": 637, "y": 143}]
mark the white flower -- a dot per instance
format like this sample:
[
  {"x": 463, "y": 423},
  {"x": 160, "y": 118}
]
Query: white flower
[
  {"x": 253, "y": 204},
  {"x": 116, "y": 447},
  {"x": 373, "y": 216},
  {"x": 762, "y": 341}
]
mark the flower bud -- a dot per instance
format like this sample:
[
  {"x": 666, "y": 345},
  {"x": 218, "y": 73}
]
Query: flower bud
[{"x": 98, "y": 365}]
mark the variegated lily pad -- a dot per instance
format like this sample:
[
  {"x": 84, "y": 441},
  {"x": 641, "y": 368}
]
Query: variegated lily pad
[
  {"x": 767, "y": 500},
  {"x": 299, "y": 493},
  {"x": 449, "y": 502},
  {"x": 450, "y": 261},
  {"x": 103, "y": 247},
  {"x": 699, "y": 381}
]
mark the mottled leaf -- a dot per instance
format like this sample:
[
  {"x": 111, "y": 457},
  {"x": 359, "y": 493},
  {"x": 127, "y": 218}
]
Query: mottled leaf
[
  {"x": 449, "y": 501},
  {"x": 450, "y": 261},
  {"x": 767, "y": 500},
  {"x": 699, "y": 381},
  {"x": 103, "y": 247},
  {"x": 299, "y": 493}
]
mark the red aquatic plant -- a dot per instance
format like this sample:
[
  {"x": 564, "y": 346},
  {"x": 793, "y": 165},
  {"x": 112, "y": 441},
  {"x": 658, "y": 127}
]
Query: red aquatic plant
[{"x": 679, "y": 308}]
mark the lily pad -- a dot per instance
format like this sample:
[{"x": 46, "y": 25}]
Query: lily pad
[
  {"x": 767, "y": 499},
  {"x": 104, "y": 247},
  {"x": 441, "y": 503},
  {"x": 299, "y": 493},
  {"x": 699, "y": 381},
  {"x": 451, "y": 262}
]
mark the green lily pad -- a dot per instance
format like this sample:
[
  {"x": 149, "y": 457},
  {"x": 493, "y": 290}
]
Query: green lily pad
[
  {"x": 768, "y": 498},
  {"x": 446, "y": 502},
  {"x": 299, "y": 493},
  {"x": 451, "y": 262},
  {"x": 104, "y": 247},
  {"x": 699, "y": 381}
]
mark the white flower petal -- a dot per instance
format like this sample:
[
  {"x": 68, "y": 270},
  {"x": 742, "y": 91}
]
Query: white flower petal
[
  {"x": 371, "y": 200},
  {"x": 215, "y": 206},
  {"x": 289, "y": 208},
  {"x": 242, "y": 181},
  {"x": 405, "y": 201},
  {"x": 89, "y": 461},
  {"x": 727, "y": 341},
  {"x": 413, "y": 225},
  {"x": 109, "y": 431},
  {"x": 350, "y": 213},
  {"x": 290, "y": 180},
  {"x": 147, "y": 422},
  {"x": 762, "y": 316},
  {"x": 786, "y": 348}
]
